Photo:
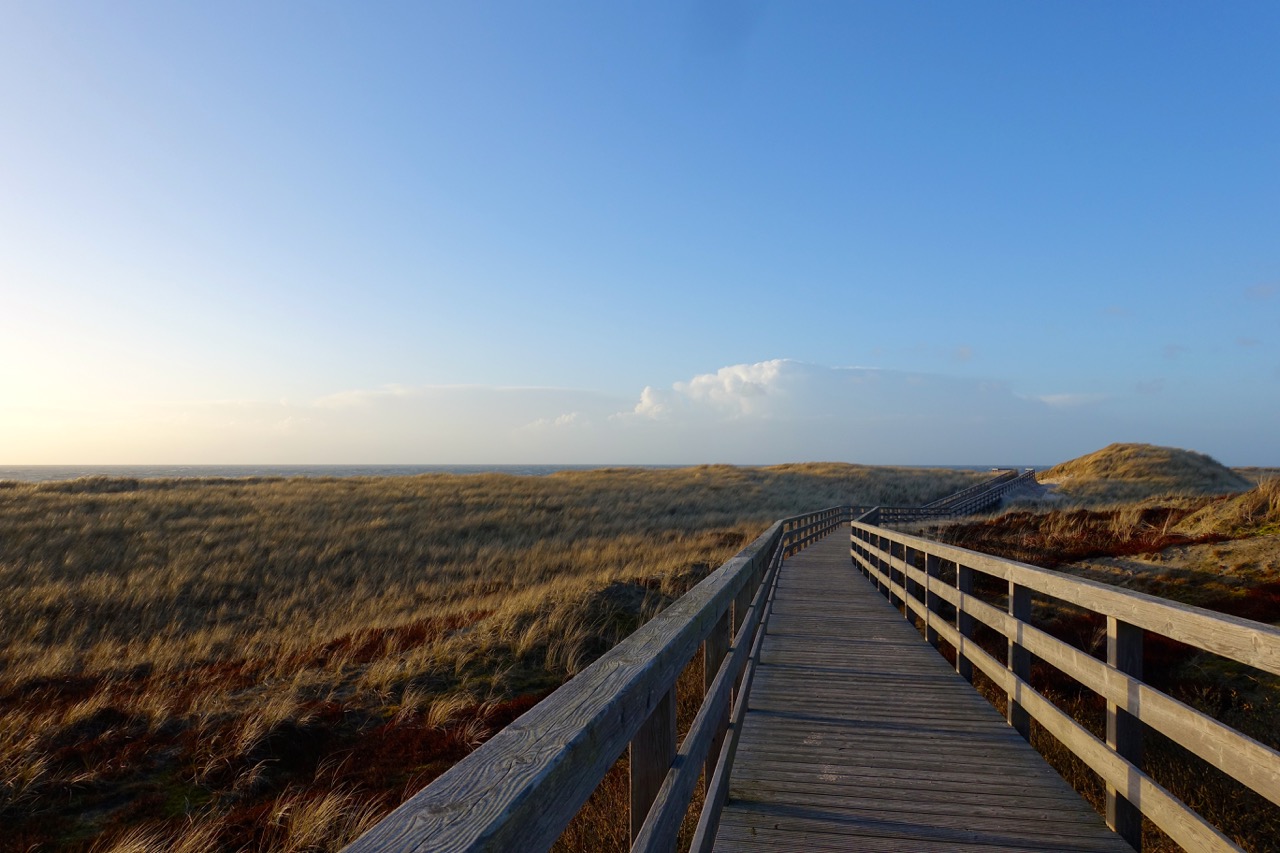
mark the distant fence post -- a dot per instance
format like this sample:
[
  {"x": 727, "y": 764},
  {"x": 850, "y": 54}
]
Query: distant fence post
[{"x": 1124, "y": 730}]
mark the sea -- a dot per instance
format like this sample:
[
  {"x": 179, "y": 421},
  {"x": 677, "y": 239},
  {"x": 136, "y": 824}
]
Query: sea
[{"x": 48, "y": 473}]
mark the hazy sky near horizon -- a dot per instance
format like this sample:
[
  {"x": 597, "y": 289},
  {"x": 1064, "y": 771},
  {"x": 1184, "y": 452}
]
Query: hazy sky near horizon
[{"x": 712, "y": 231}]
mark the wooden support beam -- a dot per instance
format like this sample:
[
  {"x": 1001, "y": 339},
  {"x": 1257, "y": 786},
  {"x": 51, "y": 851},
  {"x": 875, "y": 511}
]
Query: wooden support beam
[
  {"x": 740, "y": 605},
  {"x": 887, "y": 546},
  {"x": 932, "y": 600},
  {"x": 1124, "y": 730},
  {"x": 714, "y": 650},
  {"x": 964, "y": 621},
  {"x": 1019, "y": 660},
  {"x": 909, "y": 585},
  {"x": 652, "y": 750}
]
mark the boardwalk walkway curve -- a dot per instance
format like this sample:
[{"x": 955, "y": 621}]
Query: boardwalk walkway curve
[{"x": 829, "y": 723}]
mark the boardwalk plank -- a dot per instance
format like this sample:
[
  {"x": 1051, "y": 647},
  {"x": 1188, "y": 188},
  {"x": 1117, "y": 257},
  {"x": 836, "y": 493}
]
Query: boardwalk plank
[{"x": 859, "y": 736}]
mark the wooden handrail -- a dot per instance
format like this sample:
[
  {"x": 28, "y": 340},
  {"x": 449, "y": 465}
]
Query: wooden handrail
[
  {"x": 978, "y": 488},
  {"x": 977, "y": 498},
  {"x": 521, "y": 788},
  {"x": 891, "y": 560}
]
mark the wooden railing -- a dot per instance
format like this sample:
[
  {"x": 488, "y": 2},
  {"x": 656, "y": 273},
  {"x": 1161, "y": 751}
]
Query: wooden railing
[
  {"x": 520, "y": 789},
  {"x": 956, "y": 497},
  {"x": 983, "y": 496},
  {"x": 935, "y": 583}
]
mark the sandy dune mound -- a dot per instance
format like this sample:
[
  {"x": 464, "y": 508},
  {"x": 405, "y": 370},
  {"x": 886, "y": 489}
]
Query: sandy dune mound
[{"x": 1128, "y": 472}]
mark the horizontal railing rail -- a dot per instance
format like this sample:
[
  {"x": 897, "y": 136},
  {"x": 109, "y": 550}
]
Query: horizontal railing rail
[
  {"x": 978, "y": 488},
  {"x": 983, "y": 496},
  {"x": 519, "y": 790},
  {"x": 909, "y": 571}
]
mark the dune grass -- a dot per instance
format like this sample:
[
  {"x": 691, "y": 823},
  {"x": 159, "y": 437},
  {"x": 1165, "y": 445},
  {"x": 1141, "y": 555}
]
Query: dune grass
[
  {"x": 1133, "y": 472},
  {"x": 273, "y": 664}
]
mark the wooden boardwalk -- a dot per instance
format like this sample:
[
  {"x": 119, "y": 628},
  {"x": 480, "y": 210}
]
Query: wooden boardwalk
[{"x": 859, "y": 736}]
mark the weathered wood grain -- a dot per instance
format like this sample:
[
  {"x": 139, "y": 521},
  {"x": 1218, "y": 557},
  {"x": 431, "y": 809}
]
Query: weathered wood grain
[
  {"x": 653, "y": 749},
  {"x": 714, "y": 651},
  {"x": 859, "y": 735},
  {"x": 660, "y": 827},
  {"x": 718, "y": 787}
]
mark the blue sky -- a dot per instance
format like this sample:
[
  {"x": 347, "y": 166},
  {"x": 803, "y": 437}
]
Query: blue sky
[{"x": 911, "y": 232}]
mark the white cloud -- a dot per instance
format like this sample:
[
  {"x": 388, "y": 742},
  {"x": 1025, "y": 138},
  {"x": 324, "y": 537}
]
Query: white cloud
[
  {"x": 771, "y": 411},
  {"x": 781, "y": 409},
  {"x": 653, "y": 404},
  {"x": 568, "y": 419},
  {"x": 743, "y": 389}
]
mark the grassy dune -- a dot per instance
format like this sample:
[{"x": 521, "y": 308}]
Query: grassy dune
[
  {"x": 1132, "y": 472},
  {"x": 272, "y": 664}
]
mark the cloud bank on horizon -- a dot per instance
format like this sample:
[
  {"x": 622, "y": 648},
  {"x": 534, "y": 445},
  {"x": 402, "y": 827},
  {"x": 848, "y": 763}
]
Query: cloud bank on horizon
[{"x": 772, "y": 411}]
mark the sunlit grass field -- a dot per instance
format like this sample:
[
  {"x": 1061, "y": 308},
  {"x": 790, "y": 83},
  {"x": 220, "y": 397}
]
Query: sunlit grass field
[{"x": 270, "y": 664}]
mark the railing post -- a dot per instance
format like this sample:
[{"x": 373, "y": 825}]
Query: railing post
[
  {"x": 888, "y": 546},
  {"x": 1019, "y": 659},
  {"x": 861, "y": 547},
  {"x": 931, "y": 599},
  {"x": 1124, "y": 730},
  {"x": 964, "y": 620},
  {"x": 908, "y": 585},
  {"x": 714, "y": 651},
  {"x": 868, "y": 558},
  {"x": 904, "y": 555},
  {"x": 743, "y": 601},
  {"x": 652, "y": 751},
  {"x": 882, "y": 567}
]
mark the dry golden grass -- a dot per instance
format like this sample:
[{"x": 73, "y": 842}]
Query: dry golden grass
[
  {"x": 1257, "y": 475},
  {"x": 271, "y": 664},
  {"x": 1132, "y": 472}
]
